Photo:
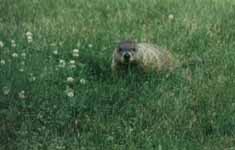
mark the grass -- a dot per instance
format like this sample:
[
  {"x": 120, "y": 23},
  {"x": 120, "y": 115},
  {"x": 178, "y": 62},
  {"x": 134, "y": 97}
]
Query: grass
[{"x": 193, "y": 108}]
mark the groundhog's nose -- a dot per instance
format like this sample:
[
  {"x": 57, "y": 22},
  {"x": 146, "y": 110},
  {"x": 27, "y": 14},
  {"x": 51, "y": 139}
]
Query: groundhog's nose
[{"x": 126, "y": 56}]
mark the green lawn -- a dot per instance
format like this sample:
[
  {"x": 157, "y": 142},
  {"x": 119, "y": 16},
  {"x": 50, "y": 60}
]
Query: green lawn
[{"x": 193, "y": 108}]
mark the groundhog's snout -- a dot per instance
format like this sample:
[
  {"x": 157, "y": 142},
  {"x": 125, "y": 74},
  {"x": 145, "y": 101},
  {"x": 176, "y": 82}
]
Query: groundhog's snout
[{"x": 126, "y": 57}]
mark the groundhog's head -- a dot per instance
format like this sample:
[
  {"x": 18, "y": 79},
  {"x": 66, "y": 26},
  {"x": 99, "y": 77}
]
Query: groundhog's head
[{"x": 126, "y": 52}]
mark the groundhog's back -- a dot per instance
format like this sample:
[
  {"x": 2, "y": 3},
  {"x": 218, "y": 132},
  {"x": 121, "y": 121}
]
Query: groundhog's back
[{"x": 152, "y": 57}]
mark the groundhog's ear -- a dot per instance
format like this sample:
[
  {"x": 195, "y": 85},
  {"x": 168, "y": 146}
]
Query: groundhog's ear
[
  {"x": 119, "y": 49},
  {"x": 134, "y": 49}
]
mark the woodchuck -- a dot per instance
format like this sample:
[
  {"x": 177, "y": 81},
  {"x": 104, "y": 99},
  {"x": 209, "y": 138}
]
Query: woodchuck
[{"x": 147, "y": 57}]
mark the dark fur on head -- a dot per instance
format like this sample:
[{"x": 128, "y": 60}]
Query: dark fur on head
[
  {"x": 126, "y": 52},
  {"x": 127, "y": 44}
]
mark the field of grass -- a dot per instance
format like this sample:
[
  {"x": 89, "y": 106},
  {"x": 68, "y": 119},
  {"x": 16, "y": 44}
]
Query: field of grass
[{"x": 55, "y": 97}]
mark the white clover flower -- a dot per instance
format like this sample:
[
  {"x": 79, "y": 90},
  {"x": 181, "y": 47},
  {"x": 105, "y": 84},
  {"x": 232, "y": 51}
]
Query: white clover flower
[
  {"x": 70, "y": 79},
  {"x": 55, "y": 52},
  {"x": 6, "y": 90},
  {"x": 90, "y": 45},
  {"x": 32, "y": 77},
  {"x": 82, "y": 81},
  {"x": 72, "y": 64},
  {"x": 23, "y": 54},
  {"x": 75, "y": 53},
  {"x": 69, "y": 92},
  {"x": 62, "y": 63},
  {"x": 14, "y": 55},
  {"x": 1, "y": 44},
  {"x": 171, "y": 17},
  {"x": 21, "y": 70},
  {"x": 21, "y": 94},
  {"x": 30, "y": 39},
  {"x": 29, "y": 34},
  {"x": 13, "y": 43},
  {"x": 2, "y": 62}
]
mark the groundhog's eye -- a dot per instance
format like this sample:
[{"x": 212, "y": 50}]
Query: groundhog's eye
[
  {"x": 133, "y": 49},
  {"x": 119, "y": 49}
]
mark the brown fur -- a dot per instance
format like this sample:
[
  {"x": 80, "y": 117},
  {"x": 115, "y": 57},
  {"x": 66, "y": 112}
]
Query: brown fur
[{"x": 148, "y": 57}]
